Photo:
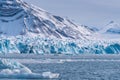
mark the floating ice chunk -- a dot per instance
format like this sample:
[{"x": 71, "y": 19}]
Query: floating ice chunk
[
  {"x": 6, "y": 71},
  {"x": 14, "y": 70},
  {"x": 50, "y": 75},
  {"x": 25, "y": 70},
  {"x": 12, "y": 67}
]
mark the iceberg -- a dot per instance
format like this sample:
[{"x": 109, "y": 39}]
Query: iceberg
[{"x": 11, "y": 69}]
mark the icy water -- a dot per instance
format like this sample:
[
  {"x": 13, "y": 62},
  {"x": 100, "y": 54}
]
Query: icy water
[
  {"x": 81, "y": 70},
  {"x": 83, "y": 67}
]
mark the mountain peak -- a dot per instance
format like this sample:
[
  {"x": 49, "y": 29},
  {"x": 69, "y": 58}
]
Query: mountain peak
[
  {"x": 112, "y": 27},
  {"x": 19, "y": 18},
  {"x": 113, "y": 24}
]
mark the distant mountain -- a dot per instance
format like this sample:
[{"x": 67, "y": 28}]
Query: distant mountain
[
  {"x": 19, "y": 18},
  {"x": 112, "y": 27}
]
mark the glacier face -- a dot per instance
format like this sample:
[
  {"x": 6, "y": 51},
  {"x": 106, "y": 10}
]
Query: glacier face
[
  {"x": 37, "y": 45},
  {"x": 20, "y": 18}
]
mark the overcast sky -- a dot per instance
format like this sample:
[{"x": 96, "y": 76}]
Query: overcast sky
[{"x": 94, "y": 13}]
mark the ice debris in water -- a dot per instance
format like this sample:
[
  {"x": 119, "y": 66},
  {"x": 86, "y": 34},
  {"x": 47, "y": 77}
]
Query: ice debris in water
[
  {"x": 37, "y": 45},
  {"x": 50, "y": 75}
]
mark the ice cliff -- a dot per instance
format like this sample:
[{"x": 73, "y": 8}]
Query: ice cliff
[{"x": 37, "y": 45}]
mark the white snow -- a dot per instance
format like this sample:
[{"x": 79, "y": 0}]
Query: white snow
[
  {"x": 112, "y": 28},
  {"x": 12, "y": 28}
]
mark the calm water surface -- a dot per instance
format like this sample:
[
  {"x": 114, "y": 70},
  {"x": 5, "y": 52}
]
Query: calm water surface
[{"x": 81, "y": 70}]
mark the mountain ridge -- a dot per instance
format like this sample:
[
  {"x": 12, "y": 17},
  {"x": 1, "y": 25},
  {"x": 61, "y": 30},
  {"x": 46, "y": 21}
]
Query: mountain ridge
[
  {"x": 21, "y": 18},
  {"x": 111, "y": 28}
]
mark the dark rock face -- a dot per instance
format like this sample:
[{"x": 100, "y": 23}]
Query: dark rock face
[{"x": 9, "y": 8}]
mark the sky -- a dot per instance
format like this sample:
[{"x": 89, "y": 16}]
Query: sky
[{"x": 92, "y": 13}]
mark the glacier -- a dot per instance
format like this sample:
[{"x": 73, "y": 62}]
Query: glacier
[{"x": 38, "y": 45}]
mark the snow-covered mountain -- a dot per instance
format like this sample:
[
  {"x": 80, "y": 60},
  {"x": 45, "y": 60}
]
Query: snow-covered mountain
[
  {"x": 112, "y": 27},
  {"x": 93, "y": 29},
  {"x": 19, "y": 18}
]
